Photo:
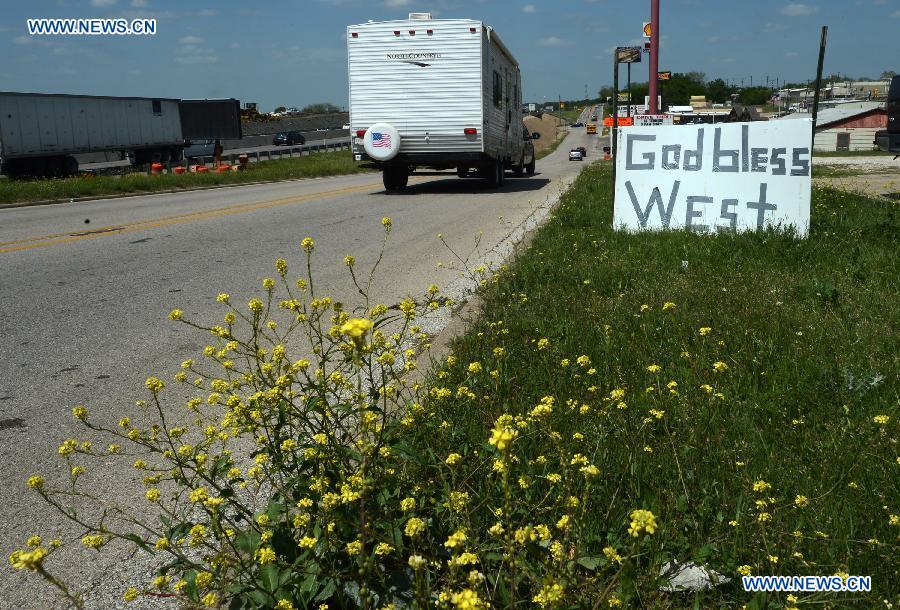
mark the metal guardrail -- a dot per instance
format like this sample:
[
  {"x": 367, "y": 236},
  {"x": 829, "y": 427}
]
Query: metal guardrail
[
  {"x": 282, "y": 152},
  {"x": 279, "y": 153}
]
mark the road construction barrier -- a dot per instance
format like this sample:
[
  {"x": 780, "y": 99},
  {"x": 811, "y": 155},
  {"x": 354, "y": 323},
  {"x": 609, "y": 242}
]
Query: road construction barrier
[
  {"x": 179, "y": 169},
  {"x": 156, "y": 169}
]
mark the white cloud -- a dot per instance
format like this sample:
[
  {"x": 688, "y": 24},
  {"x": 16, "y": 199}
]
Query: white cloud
[
  {"x": 896, "y": 14},
  {"x": 139, "y": 3},
  {"x": 798, "y": 9},
  {"x": 553, "y": 41},
  {"x": 529, "y": 8},
  {"x": 397, "y": 3},
  {"x": 190, "y": 52},
  {"x": 23, "y": 40},
  {"x": 103, "y": 3},
  {"x": 774, "y": 27}
]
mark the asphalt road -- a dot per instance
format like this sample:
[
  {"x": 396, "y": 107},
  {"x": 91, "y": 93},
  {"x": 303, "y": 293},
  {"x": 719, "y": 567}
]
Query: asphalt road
[{"x": 85, "y": 289}]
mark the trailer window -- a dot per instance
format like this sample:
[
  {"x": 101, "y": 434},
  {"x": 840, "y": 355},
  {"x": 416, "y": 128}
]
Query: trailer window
[
  {"x": 157, "y": 107},
  {"x": 498, "y": 89}
]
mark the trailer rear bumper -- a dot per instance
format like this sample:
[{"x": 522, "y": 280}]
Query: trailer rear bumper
[{"x": 435, "y": 160}]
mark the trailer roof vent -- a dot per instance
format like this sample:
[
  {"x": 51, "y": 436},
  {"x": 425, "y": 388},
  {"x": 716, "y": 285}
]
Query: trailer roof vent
[{"x": 420, "y": 16}]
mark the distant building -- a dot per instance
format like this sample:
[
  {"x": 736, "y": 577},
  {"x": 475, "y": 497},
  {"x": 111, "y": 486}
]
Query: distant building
[
  {"x": 850, "y": 126},
  {"x": 838, "y": 90}
]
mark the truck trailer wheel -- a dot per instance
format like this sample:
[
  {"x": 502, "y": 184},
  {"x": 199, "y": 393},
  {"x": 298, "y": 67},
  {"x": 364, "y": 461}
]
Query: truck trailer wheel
[
  {"x": 462, "y": 171},
  {"x": 519, "y": 170},
  {"x": 529, "y": 169},
  {"x": 395, "y": 178},
  {"x": 494, "y": 174},
  {"x": 70, "y": 166}
]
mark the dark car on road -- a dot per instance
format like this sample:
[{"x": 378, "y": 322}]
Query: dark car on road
[
  {"x": 288, "y": 138},
  {"x": 583, "y": 151}
]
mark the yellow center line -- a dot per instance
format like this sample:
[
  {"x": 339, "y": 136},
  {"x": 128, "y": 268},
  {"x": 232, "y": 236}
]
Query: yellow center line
[{"x": 64, "y": 238}]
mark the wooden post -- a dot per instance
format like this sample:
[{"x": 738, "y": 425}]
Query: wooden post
[
  {"x": 613, "y": 132},
  {"x": 815, "y": 111}
]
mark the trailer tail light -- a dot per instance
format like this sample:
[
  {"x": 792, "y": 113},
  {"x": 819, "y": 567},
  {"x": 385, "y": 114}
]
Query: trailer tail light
[
  {"x": 429, "y": 32},
  {"x": 360, "y": 133},
  {"x": 396, "y": 32},
  {"x": 354, "y": 35},
  {"x": 472, "y": 30},
  {"x": 412, "y": 32},
  {"x": 470, "y": 131}
]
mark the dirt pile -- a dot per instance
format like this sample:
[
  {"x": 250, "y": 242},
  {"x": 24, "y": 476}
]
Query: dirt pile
[{"x": 547, "y": 125}]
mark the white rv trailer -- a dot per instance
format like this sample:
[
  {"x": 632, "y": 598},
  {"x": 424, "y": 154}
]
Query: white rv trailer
[{"x": 438, "y": 93}]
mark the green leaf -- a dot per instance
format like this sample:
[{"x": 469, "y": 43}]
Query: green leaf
[
  {"x": 327, "y": 591},
  {"x": 140, "y": 542},
  {"x": 591, "y": 563}
]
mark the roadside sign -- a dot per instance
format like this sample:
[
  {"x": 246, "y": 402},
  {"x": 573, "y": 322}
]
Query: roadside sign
[
  {"x": 652, "y": 120},
  {"x": 624, "y": 121},
  {"x": 648, "y": 29},
  {"x": 636, "y": 109},
  {"x": 628, "y": 55},
  {"x": 704, "y": 178},
  {"x": 665, "y": 75}
]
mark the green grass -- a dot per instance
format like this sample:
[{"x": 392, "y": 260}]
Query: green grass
[
  {"x": 808, "y": 334},
  {"x": 854, "y": 153},
  {"x": 322, "y": 164},
  {"x": 549, "y": 150},
  {"x": 569, "y": 115}
]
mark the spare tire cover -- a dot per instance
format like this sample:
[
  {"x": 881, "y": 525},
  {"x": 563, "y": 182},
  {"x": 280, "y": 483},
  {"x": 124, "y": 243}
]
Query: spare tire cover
[{"x": 382, "y": 142}]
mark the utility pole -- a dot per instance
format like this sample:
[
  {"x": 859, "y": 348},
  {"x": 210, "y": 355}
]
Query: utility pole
[{"x": 654, "y": 57}]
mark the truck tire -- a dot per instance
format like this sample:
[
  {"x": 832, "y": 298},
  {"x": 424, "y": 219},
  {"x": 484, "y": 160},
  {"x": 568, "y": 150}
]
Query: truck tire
[
  {"x": 70, "y": 166},
  {"x": 519, "y": 170},
  {"x": 529, "y": 169},
  {"x": 462, "y": 171},
  {"x": 395, "y": 178},
  {"x": 494, "y": 174}
]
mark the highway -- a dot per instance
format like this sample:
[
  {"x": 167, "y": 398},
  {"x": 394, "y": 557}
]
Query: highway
[{"x": 86, "y": 288}]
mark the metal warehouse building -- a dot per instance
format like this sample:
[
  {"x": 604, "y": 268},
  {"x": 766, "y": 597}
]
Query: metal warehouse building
[{"x": 848, "y": 127}]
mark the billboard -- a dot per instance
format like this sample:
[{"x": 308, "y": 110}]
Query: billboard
[
  {"x": 628, "y": 55},
  {"x": 705, "y": 178}
]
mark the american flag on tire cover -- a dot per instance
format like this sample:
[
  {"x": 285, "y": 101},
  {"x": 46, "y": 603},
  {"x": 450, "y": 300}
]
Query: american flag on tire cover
[{"x": 381, "y": 140}]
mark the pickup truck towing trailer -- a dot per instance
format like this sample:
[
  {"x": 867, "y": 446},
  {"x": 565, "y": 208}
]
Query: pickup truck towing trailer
[
  {"x": 889, "y": 139},
  {"x": 40, "y": 134},
  {"x": 438, "y": 93}
]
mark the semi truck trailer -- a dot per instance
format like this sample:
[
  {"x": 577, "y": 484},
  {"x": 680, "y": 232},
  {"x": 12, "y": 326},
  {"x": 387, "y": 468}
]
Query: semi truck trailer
[
  {"x": 437, "y": 93},
  {"x": 40, "y": 134}
]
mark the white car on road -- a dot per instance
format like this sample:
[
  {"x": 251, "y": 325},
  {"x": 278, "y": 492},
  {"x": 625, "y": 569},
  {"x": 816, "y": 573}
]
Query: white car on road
[{"x": 575, "y": 155}]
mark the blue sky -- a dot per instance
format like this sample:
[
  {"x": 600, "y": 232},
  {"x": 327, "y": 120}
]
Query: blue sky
[{"x": 292, "y": 53}]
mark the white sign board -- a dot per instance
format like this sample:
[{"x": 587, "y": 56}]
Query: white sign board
[
  {"x": 636, "y": 109},
  {"x": 707, "y": 178},
  {"x": 652, "y": 120}
]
